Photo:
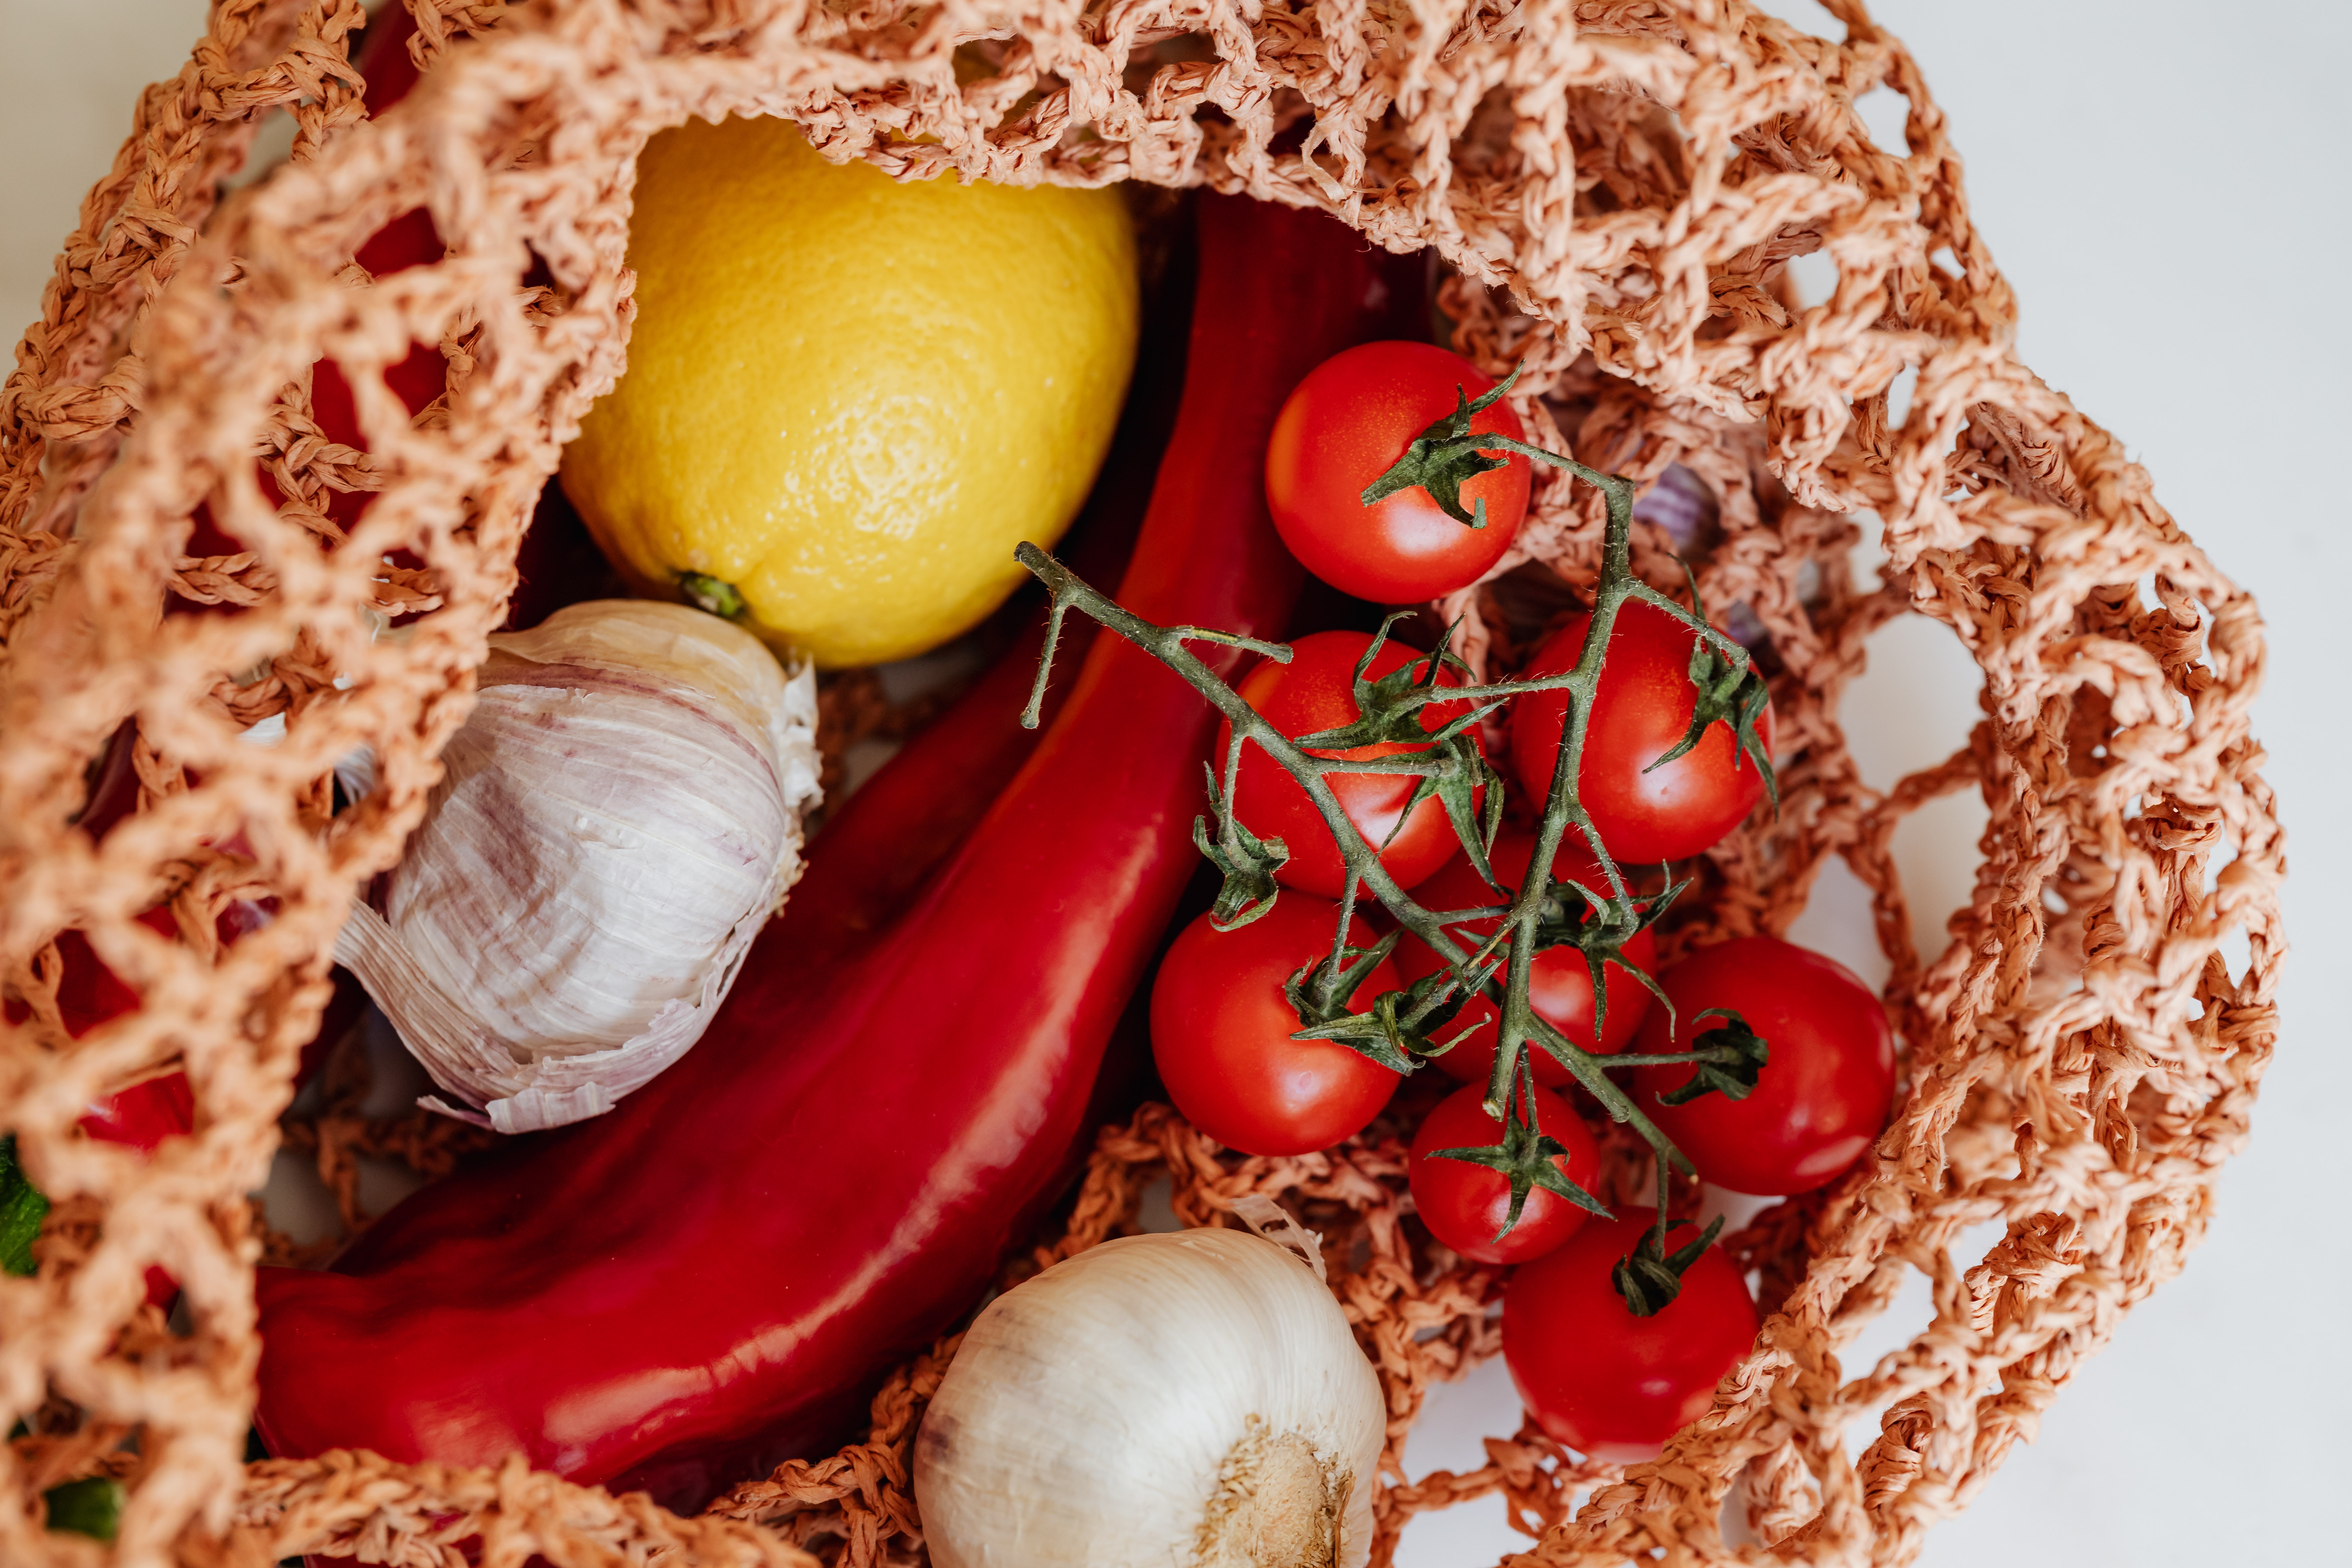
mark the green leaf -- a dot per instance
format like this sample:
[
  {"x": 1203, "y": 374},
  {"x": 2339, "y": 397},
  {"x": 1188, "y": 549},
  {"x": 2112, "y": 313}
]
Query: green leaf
[
  {"x": 1373, "y": 1034},
  {"x": 22, "y": 1209},
  {"x": 1573, "y": 915},
  {"x": 1247, "y": 862},
  {"x": 1398, "y": 1029},
  {"x": 1741, "y": 1056},
  {"x": 1649, "y": 1278},
  {"x": 1729, "y": 693},
  {"x": 1318, "y": 994},
  {"x": 1446, "y": 456},
  {"x": 92, "y": 1507},
  {"x": 1395, "y": 1030},
  {"x": 1526, "y": 1159},
  {"x": 1388, "y": 711}
]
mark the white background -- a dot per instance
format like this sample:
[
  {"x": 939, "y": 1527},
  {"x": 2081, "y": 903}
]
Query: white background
[{"x": 2164, "y": 183}]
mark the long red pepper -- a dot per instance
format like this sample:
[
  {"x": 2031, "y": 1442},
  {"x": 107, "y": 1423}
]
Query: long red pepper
[
  {"x": 88, "y": 994},
  {"x": 712, "y": 1277}
]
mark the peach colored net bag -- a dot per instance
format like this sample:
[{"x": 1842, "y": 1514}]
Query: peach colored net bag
[{"x": 1616, "y": 190}]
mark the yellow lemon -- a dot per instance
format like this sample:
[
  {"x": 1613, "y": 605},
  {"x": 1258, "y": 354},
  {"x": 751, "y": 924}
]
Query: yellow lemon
[{"x": 847, "y": 399}]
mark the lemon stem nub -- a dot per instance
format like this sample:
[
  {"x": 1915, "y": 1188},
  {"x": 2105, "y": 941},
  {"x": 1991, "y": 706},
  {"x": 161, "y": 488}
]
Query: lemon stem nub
[{"x": 710, "y": 594}]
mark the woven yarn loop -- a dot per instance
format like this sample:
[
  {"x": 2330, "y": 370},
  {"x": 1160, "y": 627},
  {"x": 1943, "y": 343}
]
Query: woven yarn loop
[{"x": 1616, "y": 189}]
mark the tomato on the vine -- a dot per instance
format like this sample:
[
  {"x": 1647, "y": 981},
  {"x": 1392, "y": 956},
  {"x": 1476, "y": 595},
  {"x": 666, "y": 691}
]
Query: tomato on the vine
[
  {"x": 1603, "y": 1381},
  {"x": 1640, "y": 712},
  {"x": 1220, "y": 1028},
  {"x": 1466, "y": 1204},
  {"x": 1559, "y": 981},
  {"x": 1343, "y": 427},
  {"x": 1312, "y": 693},
  {"x": 1827, "y": 1083}
]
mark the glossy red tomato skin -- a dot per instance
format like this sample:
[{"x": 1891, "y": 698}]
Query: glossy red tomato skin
[
  {"x": 1560, "y": 983},
  {"x": 1603, "y": 1381},
  {"x": 1466, "y": 1204},
  {"x": 1644, "y": 706},
  {"x": 1828, "y": 1083},
  {"x": 1344, "y": 427},
  {"x": 1312, "y": 693},
  {"x": 1221, "y": 1033}
]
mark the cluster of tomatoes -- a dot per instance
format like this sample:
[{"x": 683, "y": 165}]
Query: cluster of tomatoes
[{"x": 1598, "y": 1377}]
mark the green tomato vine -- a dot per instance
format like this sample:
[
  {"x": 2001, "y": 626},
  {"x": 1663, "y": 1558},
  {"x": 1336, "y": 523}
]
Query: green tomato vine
[{"x": 1402, "y": 1029}]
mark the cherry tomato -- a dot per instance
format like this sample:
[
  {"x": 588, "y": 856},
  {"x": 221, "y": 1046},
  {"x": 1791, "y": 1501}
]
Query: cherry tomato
[
  {"x": 1221, "y": 1030},
  {"x": 1465, "y": 1205},
  {"x": 1560, "y": 983},
  {"x": 1344, "y": 427},
  {"x": 1828, "y": 1080},
  {"x": 1313, "y": 693},
  {"x": 1603, "y": 1381},
  {"x": 1639, "y": 714}
]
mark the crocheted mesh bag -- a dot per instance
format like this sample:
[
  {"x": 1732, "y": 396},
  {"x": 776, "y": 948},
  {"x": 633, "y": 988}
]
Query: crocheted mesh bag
[{"x": 1615, "y": 188}]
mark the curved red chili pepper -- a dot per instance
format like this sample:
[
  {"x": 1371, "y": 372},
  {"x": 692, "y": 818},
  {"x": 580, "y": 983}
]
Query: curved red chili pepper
[
  {"x": 88, "y": 994},
  {"x": 408, "y": 240},
  {"x": 712, "y": 1277}
]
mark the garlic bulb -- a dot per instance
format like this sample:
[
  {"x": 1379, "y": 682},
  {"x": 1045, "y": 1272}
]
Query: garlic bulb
[
  {"x": 1193, "y": 1400},
  {"x": 614, "y": 825}
]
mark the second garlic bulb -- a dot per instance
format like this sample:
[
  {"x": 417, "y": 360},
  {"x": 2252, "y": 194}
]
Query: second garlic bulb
[{"x": 1194, "y": 1400}]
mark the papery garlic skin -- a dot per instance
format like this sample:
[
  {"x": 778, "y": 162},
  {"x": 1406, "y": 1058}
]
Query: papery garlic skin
[
  {"x": 615, "y": 821},
  {"x": 1190, "y": 1400}
]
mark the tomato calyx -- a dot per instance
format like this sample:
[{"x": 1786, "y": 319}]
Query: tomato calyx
[
  {"x": 1319, "y": 992},
  {"x": 1388, "y": 709},
  {"x": 1246, "y": 862},
  {"x": 1399, "y": 1029},
  {"x": 1729, "y": 693},
  {"x": 1452, "y": 767},
  {"x": 1573, "y": 915},
  {"x": 1526, "y": 1158},
  {"x": 1650, "y": 1277},
  {"x": 1447, "y": 455},
  {"x": 1729, "y": 1058}
]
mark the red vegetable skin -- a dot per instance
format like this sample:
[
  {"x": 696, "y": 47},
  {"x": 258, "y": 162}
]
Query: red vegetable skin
[
  {"x": 1643, "y": 707},
  {"x": 1560, "y": 983},
  {"x": 146, "y": 1113},
  {"x": 1313, "y": 693},
  {"x": 1342, "y": 428},
  {"x": 142, "y": 1115},
  {"x": 713, "y": 1276},
  {"x": 1464, "y": 1204},
  {"x": 89, "y": 993},
  {"x": 1826, "y": 1090},
  {"x": 408, "y": 240},
  {"x": 1221, "y": 1030},
  {"x": 1603, "y": 1381}
]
